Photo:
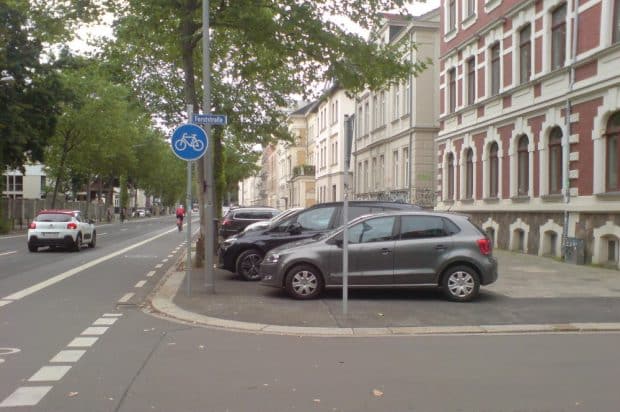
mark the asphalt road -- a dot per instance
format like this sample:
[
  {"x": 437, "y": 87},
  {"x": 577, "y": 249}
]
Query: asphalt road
[{"x": 72, "y": 338}]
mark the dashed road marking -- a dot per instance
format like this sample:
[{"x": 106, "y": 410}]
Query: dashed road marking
[
  {"x": 8, "y": 253},
  {"x": 140, "y": 284},
  {"x": 151, "y": 273},
  {"x": 82, "y": 342},
  {"x": 104, "y": 321},
  {"x": 126, "y": 298},
  {"x": 112, "y": 315},
  {"x": 49, "y": 374},
  {"x": 95, "y": 330},
  {"x": 5, "y": 302},
  {"x": 68, "y": 356},
  {"x": 165, "y": 260},
  {"x": 25, "y": 396},
  {"x": 157, "y": 266},
  {"x": 170, "y": 256}
]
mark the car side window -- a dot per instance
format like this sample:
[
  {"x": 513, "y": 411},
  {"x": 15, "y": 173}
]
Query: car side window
[
  {"x": 420, "y": 227},
  {"x": 373, "y": 230},
  {"x": 316, "y": 219}
]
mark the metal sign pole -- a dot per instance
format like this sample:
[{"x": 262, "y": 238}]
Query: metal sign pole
[
  {"x": 208, "y": 186},
  {"x": 348, "y": 128},
  {"x": 188, "y": 213}
]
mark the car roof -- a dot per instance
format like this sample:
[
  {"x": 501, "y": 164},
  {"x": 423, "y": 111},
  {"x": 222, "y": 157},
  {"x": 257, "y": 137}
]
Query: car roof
[
  {"x": 58, "y": 211},
  {"x": 399, "y": 205}
]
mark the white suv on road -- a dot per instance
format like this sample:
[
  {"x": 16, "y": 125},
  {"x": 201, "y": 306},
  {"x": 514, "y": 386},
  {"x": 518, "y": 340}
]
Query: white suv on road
[{"x": 61, "y": 228}]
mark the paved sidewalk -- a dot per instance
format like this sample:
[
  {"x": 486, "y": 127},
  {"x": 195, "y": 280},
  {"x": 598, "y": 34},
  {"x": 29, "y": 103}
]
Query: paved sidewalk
[{"x": 532, "y": 294}]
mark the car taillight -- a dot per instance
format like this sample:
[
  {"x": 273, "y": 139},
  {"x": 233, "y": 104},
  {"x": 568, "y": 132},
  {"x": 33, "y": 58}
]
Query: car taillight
[
  {"x": 226, "y": 222},
  {"x": 32, "y": 225},
  {"x": 484, "y": 245},
  {"x": 72, "y": 225}
]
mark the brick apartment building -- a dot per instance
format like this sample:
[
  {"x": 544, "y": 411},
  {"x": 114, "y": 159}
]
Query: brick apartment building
[{"x": 530, "y": 122}]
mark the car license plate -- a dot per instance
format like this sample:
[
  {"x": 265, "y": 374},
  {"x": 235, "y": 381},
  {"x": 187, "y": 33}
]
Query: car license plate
[{"x": 50, "y": 234}]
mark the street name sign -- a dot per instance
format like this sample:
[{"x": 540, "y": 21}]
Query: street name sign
[
  {"x": 189, "y": 142},
  {"x": 210, "y": 119}
]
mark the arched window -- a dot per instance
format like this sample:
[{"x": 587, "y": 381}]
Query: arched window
[
  {"x": 493, "y": 170},
  {"x": 469, "y": 174},
  {"x": 612, "y": 146},
  {"x": 523, "y": 165},
  {"x": 450, "y": 194},
  {"x": 555, "y": 161}
]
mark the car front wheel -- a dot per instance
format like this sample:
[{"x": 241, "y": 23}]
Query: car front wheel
[
  {"x": 248, "y": 264},
  {"x": 93, "y": 240},
  {"x": 78, "y": 243},
  {"x": 461, "y": 283},
  {"x": 304, "y": 282}
]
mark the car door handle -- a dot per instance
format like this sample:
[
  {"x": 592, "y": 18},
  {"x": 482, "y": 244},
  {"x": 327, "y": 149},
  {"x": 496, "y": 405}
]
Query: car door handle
[
  {"x": 385, "y": 251},
  {"x": 441, "y": 247}
]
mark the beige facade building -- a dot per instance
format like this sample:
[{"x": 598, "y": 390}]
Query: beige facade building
[{"x": 395, "y": 129}]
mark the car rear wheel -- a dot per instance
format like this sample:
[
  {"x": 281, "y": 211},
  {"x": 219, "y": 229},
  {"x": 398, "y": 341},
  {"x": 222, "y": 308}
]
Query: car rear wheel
[
  {"x": 248, "y": 264},
  {"x": 461, "y": 283},
  {"x": 77, "y": 246},
  {"x": 304, "y": 282},
  {"x": 93, "y": 240},
  {"x": 32, "y": 248}
]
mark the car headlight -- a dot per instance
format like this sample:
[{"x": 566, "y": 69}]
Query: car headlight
[
  {"x": 227, "y": 243},
  {"x": 272, "y": 258}
]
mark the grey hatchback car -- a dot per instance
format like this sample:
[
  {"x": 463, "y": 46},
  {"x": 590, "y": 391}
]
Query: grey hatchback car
[{"x": 395, "y": 249}]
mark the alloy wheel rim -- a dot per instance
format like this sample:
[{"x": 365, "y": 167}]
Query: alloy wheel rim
[
  {"x": 250, "y": 265},
  {"x": 461, "y": 284},
  {"x": 304, "y": 283}
]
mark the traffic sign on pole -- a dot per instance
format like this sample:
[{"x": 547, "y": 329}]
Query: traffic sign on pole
[
  {"x": 210, "y": 119},
  {"x": 189, "y": 142}
]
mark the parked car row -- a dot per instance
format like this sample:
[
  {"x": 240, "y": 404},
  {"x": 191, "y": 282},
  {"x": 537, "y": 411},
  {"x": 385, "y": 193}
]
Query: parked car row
[{"x": 389, "y": 244}]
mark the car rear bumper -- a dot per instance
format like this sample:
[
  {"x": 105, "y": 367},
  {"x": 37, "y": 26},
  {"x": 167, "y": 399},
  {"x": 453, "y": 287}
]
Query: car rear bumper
[
  {"x": 488, "y": 274},
  {"x": 65, "y": 241}
]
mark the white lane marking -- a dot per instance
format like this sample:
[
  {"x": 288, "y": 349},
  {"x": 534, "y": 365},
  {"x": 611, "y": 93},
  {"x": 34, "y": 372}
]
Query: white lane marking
[
  {"x": 173, "y": 252},
  {"x": 170, "y": 256},
  {"x": 95, "y": 330},
  {"x": 51, "y": 281},
  {"x": 82, "y": 342},
  {"x": 140, "y": 284},
  {"x": 5, "y": 302},
  {"x": 126, "y": 298},
  {"x": 8, "y": 253},
  {"x": 67, "y": 356},
  {"x": 165, "y": 260},
  {"x": 151, "y": 273},
  {"x": 113, "y": 315},
  {"x": 25, "y": 396},
  {"x": 157, "y": 266},
  {"x": 122, "y": 230},
  {"x": 104, "y": 321},
  {"x": 102, "y": 234},
  {"x": 49, "y": 373}
]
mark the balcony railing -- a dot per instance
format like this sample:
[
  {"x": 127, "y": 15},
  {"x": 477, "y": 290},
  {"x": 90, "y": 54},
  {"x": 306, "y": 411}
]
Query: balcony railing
[{"x": 303, "y": 170}]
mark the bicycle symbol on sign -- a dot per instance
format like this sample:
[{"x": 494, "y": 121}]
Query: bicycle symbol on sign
[{"x": 189, "y": 140}]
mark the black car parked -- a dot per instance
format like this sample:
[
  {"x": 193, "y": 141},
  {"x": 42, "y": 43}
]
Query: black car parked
[
  {"x": 244, "y": 253},
  {"x": 237, "y": 219}
]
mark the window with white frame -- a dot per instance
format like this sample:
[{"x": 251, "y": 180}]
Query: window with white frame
[
  {"x": 523, "y": 166},
  {"x": 471, "y": 80},
  {"x": 495, "y": 69},
  {"x": 382, "y": 113},
  {"x": 381, "y": 169},
  {"x": 366, "y": 182},
  {"x": 494, "y": 170},
  {"x": 359, "y": 177},
  {"x": 525, "y": 54},
  {"x": 452, "y": 90},
  {"x": 558, "y": 37},
  {"x": 450, "y": 177},
  {"x": 15, "y": 184},
  {"x": 555, "y": 161},
  {"x": 469, "y": 173},
  {"x": 616, "y": 22},
  {"x": 612, "y": 157},
  {"x": 375, "y": 112},
  {"x": 451, "y": 15},
  {"x": 396, "y": 105},
  {"x": 470, "y": 8},
  {"x": 406, "y": 167},
  {"x": 375, "y": 180},
  {"x": 366, "y": 118},
  {"x": 407, "y": 97},
  {"x": 396, "y": 168}
]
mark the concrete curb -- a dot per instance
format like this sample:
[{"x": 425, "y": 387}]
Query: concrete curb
[{"x": 162, "y": 303}]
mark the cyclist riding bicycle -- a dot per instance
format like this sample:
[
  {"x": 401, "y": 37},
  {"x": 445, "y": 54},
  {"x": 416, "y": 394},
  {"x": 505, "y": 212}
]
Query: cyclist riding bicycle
[{"x": 180, "y": 215}]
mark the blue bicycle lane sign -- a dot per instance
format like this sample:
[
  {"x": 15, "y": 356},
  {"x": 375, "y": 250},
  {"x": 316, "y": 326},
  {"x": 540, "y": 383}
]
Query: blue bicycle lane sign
[{"x": 189, "y": 142}]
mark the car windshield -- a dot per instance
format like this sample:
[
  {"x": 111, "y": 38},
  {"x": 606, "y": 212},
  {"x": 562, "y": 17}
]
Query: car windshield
[{"x": 53, "y": 217}]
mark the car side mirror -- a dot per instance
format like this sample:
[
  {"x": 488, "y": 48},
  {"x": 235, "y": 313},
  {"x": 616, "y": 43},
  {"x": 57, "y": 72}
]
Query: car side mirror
[
  {"x": 294, "y": 228},
  {"x": 338, "y": 242}
]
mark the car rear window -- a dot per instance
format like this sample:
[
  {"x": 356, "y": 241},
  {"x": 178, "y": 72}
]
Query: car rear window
[{"x": 53, "y": 217}]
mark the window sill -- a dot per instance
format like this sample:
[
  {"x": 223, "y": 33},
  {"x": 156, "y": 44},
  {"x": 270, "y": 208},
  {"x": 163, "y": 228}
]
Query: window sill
[
  {"x": 608, "y": 195},
  {"x": 491, "y": 199},
  {"x": 520, "y": 199},
  {"x": 552, "y": 198},
  {"x": 468, "y": 21}
]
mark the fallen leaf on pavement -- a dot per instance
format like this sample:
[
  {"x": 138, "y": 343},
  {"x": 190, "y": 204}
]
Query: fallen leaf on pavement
[
  {"x": 377, "y": 393},
  {"x": 316, "y": 400},
  {"x": 72, "y": 394},
  {"x": 380, "y": 314}
]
